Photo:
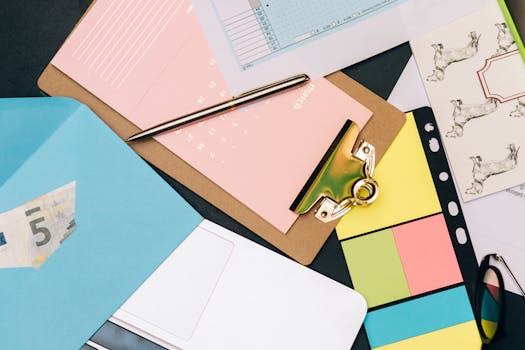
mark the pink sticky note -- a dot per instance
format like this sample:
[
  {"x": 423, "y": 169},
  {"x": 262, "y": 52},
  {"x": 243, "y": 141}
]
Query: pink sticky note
[
  {"x": 427, "y": 254},
  {"x": 262, "y": 154}
]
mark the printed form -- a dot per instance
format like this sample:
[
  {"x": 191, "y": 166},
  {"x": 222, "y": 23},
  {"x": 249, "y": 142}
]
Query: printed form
[
  {"x": 257, "y": 41},
  {"x": 261, "y": 29}
]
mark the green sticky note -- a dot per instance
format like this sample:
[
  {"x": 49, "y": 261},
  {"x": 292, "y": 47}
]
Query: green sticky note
[{"x": 375, "y": 267}]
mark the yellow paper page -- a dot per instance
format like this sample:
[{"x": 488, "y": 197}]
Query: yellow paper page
[
  {"x": 463, "y": 336},
  {"x": 407, "y": 191}
]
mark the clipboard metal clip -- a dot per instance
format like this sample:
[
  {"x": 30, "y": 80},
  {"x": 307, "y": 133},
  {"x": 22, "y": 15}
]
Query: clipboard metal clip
[
  {"x": 343, "y": 180},
  {"x": 364, "y": 190}
]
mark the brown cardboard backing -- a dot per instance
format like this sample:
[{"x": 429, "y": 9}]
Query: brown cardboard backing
[{"x": 307, "y": 235}]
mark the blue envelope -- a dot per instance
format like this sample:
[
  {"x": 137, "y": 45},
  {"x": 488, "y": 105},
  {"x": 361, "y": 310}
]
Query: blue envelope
[{"x": 128, "y": 221}]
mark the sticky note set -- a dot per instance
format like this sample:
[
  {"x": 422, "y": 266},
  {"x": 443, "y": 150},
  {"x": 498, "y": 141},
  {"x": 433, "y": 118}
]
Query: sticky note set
[
  {"x": 402, "y": 261},
  {"x": 401, "y": 251}
]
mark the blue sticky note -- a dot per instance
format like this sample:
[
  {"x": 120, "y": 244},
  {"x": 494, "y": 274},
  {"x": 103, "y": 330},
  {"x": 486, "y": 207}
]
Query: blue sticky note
[
  {"x": 128, "y": 221},
  {"x": 418, "y": 316}
]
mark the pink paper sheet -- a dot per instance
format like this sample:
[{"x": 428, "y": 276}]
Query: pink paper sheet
[{"x": 150, "y": 62}]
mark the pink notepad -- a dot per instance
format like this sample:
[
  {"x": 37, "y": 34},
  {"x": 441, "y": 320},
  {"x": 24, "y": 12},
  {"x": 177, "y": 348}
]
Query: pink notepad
[{"x": 151, "y": 62}]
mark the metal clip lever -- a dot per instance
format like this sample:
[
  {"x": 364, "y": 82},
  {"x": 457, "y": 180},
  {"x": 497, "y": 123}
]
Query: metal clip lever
[
  {"x": 364, "y": 190},
  {"x": 343, "y": 180}
]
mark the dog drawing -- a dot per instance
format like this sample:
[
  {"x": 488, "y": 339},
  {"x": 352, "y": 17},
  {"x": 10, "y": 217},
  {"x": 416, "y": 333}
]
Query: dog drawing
[
  {"x": 505, "y": 39},
  {"x": 445, "y": 57},
  {"x": 464, "y": 113},
  {"x": 481, "y": 170},
  {"x": 519, "y": 111}
]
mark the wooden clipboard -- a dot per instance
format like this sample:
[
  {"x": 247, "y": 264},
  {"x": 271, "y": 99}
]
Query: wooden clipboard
[{"x": 307, "y": 235}]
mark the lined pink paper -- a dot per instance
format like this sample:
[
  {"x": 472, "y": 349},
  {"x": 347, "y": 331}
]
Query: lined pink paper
[{"x": 149, "y": 60}]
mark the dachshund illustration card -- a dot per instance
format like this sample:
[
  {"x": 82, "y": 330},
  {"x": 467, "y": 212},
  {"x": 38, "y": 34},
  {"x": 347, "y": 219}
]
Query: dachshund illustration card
[{"x": 475, "y": 81}]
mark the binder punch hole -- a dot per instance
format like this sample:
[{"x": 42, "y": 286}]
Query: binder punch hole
[
  {"x": 448, "y": 198},
  {"x": 342, "y": 180}
]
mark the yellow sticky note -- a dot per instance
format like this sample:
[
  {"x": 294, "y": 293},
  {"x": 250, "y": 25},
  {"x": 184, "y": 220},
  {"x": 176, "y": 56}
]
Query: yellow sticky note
[
  {"x": 407, "y": 191},
  {"x": 463, "y": 336}
]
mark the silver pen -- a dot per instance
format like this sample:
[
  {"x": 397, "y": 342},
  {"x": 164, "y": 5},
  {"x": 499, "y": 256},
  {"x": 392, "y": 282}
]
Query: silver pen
[{"x": 243, "y": 98}]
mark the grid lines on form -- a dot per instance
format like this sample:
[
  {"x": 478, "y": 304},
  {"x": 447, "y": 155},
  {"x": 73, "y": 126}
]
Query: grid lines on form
[
  {"x": 250, "y": 34},
  {"x": 278, "y": 25},
  {"x": 123, "y": 35}
]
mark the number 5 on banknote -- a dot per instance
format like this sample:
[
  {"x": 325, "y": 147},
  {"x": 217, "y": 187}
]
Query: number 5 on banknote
[
  {"x": 30, "y": 233},
  {"x": 37, "y": 230}
]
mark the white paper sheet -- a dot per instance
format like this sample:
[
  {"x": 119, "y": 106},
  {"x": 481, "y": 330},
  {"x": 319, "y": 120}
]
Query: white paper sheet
[
  {"x": 219, "y": 290},
  {"x": 409, "y": 93},
  {"x": 496, "y": 225},
  {"x": 385, "y": 28}
]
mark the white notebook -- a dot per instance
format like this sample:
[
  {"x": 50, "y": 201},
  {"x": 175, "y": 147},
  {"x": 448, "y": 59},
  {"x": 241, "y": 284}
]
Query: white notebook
[{"x": 219, "y": 290}]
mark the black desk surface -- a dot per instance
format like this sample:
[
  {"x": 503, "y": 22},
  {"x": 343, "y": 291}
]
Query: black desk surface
[{"x": 33, "y": 30}]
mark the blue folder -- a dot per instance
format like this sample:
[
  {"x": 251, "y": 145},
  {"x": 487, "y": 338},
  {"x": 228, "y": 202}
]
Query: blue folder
[{"x": 128, "y": 221}]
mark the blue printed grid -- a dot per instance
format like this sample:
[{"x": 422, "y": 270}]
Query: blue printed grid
[{"x": 287, "y": 23}]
